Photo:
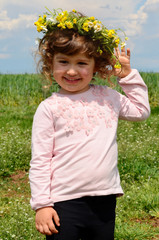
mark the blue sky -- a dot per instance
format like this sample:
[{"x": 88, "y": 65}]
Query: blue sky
[{"x": 138, "y": 18}]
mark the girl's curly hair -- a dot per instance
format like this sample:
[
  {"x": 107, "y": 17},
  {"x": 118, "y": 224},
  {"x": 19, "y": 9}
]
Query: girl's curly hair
[{"x": 70, "y": 42}]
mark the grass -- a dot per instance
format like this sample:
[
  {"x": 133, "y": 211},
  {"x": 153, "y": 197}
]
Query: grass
[{"x": 137, "y": 211}]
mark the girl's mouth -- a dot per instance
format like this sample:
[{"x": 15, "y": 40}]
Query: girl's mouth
[{"x": 72, "y": 80}]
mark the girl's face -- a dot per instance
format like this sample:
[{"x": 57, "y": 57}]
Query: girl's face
[{"x": 73, "y": 73}]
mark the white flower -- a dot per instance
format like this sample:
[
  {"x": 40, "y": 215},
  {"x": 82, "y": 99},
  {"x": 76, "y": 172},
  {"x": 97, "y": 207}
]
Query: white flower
[
  {"x": 90, "y": 24},
  {"x": 52, "y": 20},
  {"x": 97, "y": 27},
  {"x": 123, "y": 44},
  {"x": 44, "y": 28}
]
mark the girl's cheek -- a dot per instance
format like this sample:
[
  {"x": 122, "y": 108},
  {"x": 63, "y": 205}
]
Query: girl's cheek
[{"x": 85, "y": 72}]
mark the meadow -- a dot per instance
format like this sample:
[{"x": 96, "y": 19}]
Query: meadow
[{"x": 138, "y": 145}]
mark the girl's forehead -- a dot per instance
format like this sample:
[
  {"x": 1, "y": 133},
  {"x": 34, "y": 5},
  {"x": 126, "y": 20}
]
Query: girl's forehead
[{"x": 75, "y": 56}]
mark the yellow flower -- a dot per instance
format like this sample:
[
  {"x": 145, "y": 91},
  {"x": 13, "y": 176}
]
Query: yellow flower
[
  {"x": 69, "y": 24},
  {"x": 36, "y": 23},
  {"x": 62, "y": 16},
  {"x": 106, "y": 31},
  {"x": 39, "y": 28},
  {"x": 74, "y": 20},
  {"x": 65, "y": 13},
  {"x": 111, "y": 33},
  {"x": 85, "y": 26},
  {"x": 63, "y": 19},
  {"x": 86, "y": 29},
  {"x": 61, "y": 25},
  {"x": 117, "y": 66},
  {"x": 58, "y": 18},
  {"x": 74, "y": 10},
  {"x": 95, "y": 22},
  {"x": 92, "y": 18},
  {"x": 40, "y": 20},
  {"x": 117, "y": 41},
  {"x": 41, "y": 23}
]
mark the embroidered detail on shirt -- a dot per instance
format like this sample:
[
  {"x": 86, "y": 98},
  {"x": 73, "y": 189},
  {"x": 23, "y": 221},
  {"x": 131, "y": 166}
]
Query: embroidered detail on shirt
[{"x": 84, "y": 114}]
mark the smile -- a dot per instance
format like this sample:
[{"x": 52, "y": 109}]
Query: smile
[{"x": 72, "y": 80}]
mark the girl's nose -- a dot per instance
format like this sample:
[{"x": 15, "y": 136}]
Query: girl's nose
[{"x": 71, "y": 71}]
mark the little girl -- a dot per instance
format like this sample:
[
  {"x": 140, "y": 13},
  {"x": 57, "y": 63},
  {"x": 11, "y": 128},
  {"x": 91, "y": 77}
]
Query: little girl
[{"x": 73, "y": 175}]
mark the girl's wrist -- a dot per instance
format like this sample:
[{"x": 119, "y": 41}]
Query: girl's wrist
[
  {"x": 125, "y": 74},
  {"x": 37, "y": 210}
]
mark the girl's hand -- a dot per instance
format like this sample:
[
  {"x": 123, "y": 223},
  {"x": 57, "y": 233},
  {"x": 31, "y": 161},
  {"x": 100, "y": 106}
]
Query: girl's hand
[
  {"x": 124, "y": 59},
  {"x": 44, "y": 220}
]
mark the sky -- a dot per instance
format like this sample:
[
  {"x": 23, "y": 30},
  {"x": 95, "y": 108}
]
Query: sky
[{"x": 138, "y": 18}]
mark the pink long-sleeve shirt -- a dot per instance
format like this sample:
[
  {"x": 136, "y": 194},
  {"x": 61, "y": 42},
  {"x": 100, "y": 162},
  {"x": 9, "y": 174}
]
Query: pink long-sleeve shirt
[{"x": 74, "y": 148}]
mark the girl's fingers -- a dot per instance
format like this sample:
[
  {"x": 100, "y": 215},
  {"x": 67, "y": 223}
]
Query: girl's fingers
[
  {"x": 123, "y": 52},
  {"x": 40, "y": 228},
  {"x": 128, "y": 52},
  {"x": 56, "y": 218},
  {"x": 47, "y": 230},
  {"x": 123, "y": 49},
  {"x": 117, "y": 52},
  {"x": 52, "y": 228}
]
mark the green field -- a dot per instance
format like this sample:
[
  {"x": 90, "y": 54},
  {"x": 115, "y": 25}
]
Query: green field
[{"x": 137, "y": 212}]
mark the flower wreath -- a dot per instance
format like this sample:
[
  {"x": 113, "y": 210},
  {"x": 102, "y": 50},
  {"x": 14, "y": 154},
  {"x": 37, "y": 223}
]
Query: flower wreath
[{"x": 84, "y": 25}]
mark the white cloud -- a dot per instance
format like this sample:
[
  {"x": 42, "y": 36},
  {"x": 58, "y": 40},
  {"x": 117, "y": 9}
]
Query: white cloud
[
  {"x": 22, "y": 21},
  {"x": 135, "y": 21},
  {"x": 151, "y": 6},
  {"x": 3, "y": 15}
]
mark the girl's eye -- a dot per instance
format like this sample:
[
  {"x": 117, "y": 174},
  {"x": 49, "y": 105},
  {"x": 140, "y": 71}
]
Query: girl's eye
[
  {"x": 63, "y": 61},
  {"x": 82, "y": 63}
]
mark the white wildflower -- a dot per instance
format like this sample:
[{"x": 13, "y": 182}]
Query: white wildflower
[
  {"x": 97, "y": 27},
  {"x": 52, "y": 20},
  {"x": 44, "y": 28},
  {"x": 90, "y": 24},
  {"x": 123, "y": 44}
]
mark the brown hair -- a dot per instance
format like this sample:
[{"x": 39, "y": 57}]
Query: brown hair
[{"x": 69, "y": 42}]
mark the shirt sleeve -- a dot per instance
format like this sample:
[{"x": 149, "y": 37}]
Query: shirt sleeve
[
  {"x": 42, "y": 153},
  {"x": 135, "y": 105}
]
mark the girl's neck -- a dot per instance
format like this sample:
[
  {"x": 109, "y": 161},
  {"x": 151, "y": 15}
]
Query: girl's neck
[{"x": 63, "y": 92}]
